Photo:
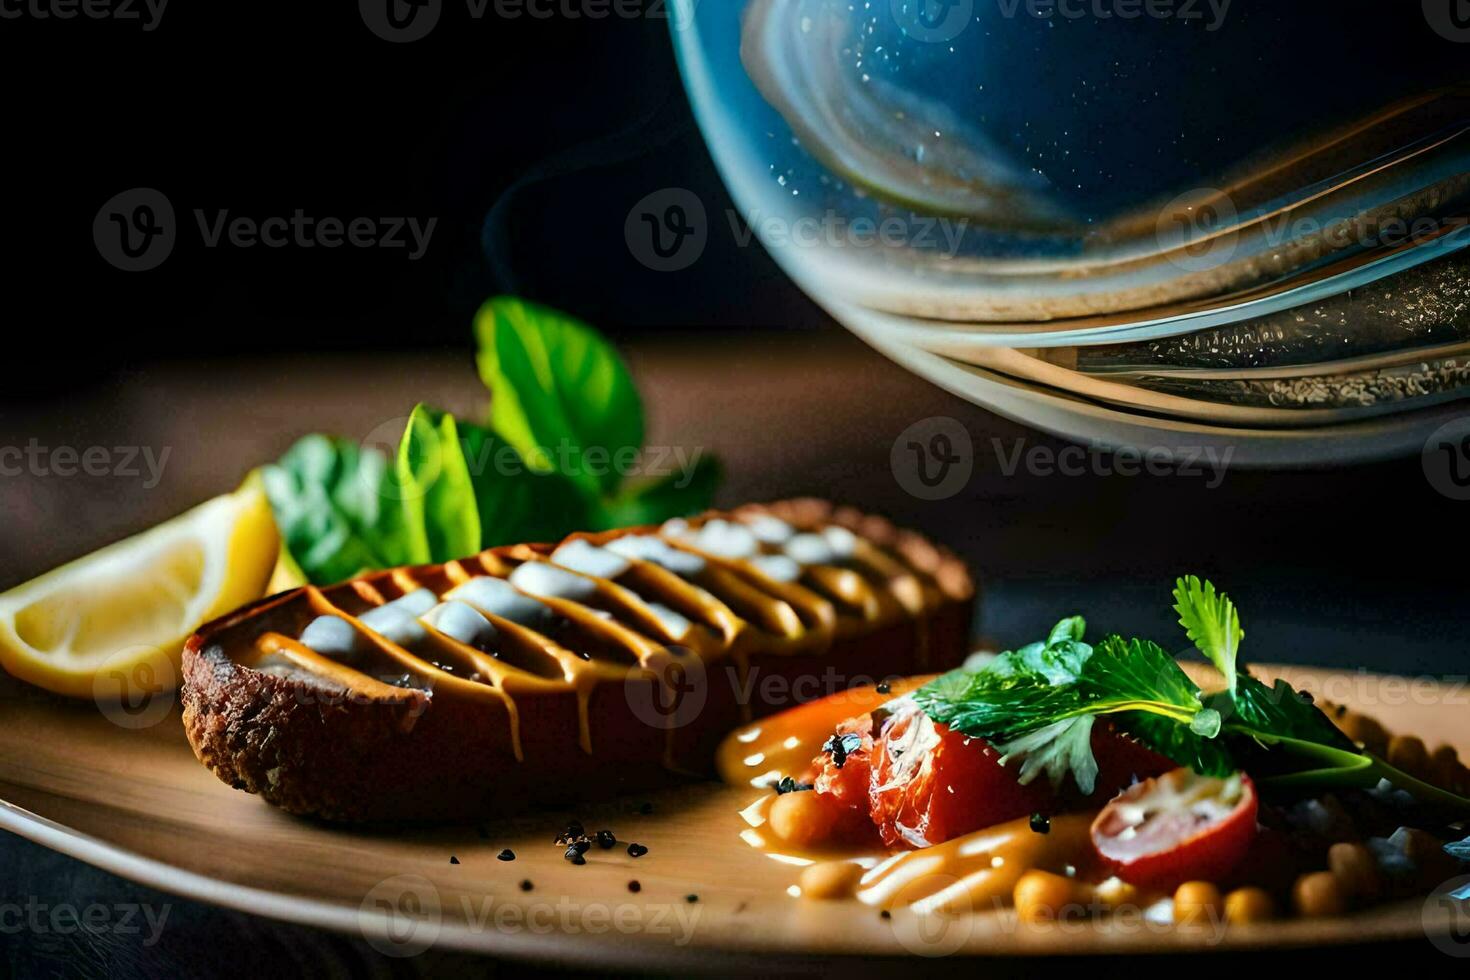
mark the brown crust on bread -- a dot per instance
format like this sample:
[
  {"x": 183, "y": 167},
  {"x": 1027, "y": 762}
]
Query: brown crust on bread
[{"x": 308, "y": 744}]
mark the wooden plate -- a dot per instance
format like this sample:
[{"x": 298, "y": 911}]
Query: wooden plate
[{"x": 125, "y": 793}]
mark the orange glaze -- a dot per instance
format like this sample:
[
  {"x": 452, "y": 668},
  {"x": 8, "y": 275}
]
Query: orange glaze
[
  {"x": 759, "y": 754},
  {"x": 976, "y": 871}
]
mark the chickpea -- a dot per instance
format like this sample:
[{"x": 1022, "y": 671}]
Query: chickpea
[
  {"x": 1041, "y": 896},
  {"x": 1318, "y": 895},
  {"x": 1364, "y": 730},
  {"x": 1355, "y": 870},
  {"x": 830, "y": 879},
  {"x": 1196, "y": 903},
  {"x": 1245, "y": 905},
  {"x": 1407, "y": 752},
  {"x": 802, "y": 818},
  {"x": 1116, "y": 893}
]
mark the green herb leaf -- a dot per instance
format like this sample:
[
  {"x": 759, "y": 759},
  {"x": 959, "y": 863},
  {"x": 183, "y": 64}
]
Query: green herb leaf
[
  {"x": 1178, "y": 743},
  {"x": 1019, "y": 702},
  {"x": 434, "y": 483},
  {"x": 679, "y": 494},
  {"x": 557, "y": 387},
  {"x": 558, "y": 391},
  {"x": 1212, "y": 623},
  {"x": 516, "y": 503},
  {"x": 337, "y": 510},
  {"x": 1027, "y": 705}
]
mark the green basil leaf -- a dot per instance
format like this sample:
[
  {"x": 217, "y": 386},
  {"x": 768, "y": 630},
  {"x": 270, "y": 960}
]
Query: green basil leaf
[
  {"x": 1280, "y": 711},
  {"x": 557, "y": 387},
  {"x": 516, "y": 503},
  {"x": 336, "y": 509},
  {"x": 679, "y": 494},
  {"x": 1178, "y": 743},
  {"x": 437, "y": 496},
  {"x": 1213, "y": 625}
]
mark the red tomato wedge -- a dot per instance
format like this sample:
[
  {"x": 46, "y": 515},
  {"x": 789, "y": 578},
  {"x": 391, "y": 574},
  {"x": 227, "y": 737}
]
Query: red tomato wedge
[
  {"x": 931, "y": 784},
  {"x": 1177, "y": 827},
  {"x": 845, "y": 765}
]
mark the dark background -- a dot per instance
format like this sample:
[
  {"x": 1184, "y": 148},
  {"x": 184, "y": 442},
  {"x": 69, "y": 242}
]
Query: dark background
[
  {"x": 552, "y": 129},
  {"x": 563, "y": 123}
]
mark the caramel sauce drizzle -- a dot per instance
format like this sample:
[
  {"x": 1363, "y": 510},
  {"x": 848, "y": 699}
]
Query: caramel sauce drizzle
[{"x": 734, "y": 609}]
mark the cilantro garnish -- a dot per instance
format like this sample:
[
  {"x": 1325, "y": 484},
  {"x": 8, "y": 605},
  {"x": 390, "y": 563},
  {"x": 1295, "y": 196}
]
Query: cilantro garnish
[{"x": 1037, "y": 705}]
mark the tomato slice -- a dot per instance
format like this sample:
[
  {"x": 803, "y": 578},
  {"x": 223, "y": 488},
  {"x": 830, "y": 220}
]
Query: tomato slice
[
  {"x": 931, "y": 784},
  {"x": 844, "y": 767},
  {"x": 1177, "y": 827},
  {"x": 922, "y": 784}
]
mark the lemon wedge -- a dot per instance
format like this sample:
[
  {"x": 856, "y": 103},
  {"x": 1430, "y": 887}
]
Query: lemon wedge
[{"x": 130, "y": 606}]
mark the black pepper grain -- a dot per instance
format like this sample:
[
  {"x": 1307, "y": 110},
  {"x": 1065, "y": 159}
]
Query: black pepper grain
[
  {"x": 605, "y": 839},
  {"x": 884, "y": 688},
  {"x": 1040, "y": 823},
  {"x": 575, "y": 856},
  {"x": 691, "y": 899},
  {"x": 526, "y": 884},
  {"x": 840, "y": 746},
  {"x": 789, "y": 785},
  {"x": 453, "y": 859},
  {"x": 633, "y": 886},
  {"x": 885, "y": 914},
  {"x": 506, "y": 855},
  {"x": 637, "y": 850}
]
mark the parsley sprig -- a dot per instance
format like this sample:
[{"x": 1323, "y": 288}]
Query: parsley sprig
[{"x": 1037, "y": 706}]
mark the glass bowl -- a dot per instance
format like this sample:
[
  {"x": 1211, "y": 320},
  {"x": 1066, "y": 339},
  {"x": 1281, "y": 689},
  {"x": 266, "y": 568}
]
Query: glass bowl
[{"x": 1163, "y": 226}]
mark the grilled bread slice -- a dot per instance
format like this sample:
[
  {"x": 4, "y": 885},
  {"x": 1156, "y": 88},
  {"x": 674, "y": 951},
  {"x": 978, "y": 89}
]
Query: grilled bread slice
[{"x": 542, "y": 675}]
